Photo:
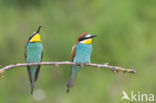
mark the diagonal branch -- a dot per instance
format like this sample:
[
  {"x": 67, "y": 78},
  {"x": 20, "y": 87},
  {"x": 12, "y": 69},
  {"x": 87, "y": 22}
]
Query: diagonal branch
[{"x": 113, "y": 68}]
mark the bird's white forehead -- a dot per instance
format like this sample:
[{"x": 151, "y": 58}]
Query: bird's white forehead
[{"x": 88, "y": 35}]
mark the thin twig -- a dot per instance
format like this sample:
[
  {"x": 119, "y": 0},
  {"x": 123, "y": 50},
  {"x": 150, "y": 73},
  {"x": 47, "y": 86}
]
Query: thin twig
[{"x": 106, "y": 65}]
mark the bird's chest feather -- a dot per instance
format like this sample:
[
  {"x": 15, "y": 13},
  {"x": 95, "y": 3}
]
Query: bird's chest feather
[
  {"x": 82, "y": 54},
  {"x": 34, "y": 52}
]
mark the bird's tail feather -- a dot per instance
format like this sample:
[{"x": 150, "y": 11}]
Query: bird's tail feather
[
  {"x": 32, "y": 86},
  {"x": 32, "y": 79},
  {"x": 70, "y": 83},
  {"x": 73, "y": 72}
]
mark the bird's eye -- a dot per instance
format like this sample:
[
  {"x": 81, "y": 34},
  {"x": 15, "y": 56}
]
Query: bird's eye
[{"x": 83, "y": 38}]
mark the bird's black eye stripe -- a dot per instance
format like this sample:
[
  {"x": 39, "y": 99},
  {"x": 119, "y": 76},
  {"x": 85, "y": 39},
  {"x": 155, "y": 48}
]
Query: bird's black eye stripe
[
  {"x": 83, "y": 38},
  {"x": 32, "y": 36}
]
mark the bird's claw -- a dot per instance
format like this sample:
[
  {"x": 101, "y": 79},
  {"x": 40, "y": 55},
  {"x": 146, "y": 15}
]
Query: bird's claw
[
  {"x": 85, "y": 64},
  {"x": 80, "y": 64}
]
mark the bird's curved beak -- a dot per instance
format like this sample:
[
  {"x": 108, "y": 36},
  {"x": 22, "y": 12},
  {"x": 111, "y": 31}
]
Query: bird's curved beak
[
  {"x": 38, "y": 30},
  {"x": 92, "y": 36}
]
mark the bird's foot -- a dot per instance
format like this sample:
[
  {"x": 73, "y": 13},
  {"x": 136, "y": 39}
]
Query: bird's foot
[
  {"x": 86, "y": 63},
  {"x": 80, "y": 64}
]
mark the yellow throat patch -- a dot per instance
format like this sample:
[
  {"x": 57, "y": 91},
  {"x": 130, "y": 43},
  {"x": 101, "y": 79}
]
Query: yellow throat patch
[
  {"x": 87, "y": 41},
  {"x": 36, "y": 38}
]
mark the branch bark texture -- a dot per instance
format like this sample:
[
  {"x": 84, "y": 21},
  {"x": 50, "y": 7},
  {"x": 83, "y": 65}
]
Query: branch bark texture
[{"x": 106, "y": 65}]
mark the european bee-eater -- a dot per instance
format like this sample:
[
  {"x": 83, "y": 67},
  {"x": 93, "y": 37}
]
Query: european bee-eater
[
  {"x": 33, "y": 54},
  {"x": 81, "y": 53}
]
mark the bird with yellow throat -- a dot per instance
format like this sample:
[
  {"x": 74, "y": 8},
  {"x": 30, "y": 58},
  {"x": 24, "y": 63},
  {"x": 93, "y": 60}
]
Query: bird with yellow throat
[
  {"x": 81, "y": 53},
  {"x": 33, "y": 54}
]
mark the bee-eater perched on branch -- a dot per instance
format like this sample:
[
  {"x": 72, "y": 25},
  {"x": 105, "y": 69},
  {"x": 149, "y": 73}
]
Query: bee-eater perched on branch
[
  {"x": 81, "y": 52},
  {"x": 33, "y": 54}
]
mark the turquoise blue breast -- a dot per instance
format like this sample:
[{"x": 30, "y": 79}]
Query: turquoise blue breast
[
  {"x": 34, "y": 52},
  {"x": 82, "y": 54}
]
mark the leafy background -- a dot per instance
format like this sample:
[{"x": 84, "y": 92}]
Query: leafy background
[{"x": 126, "y": 37}]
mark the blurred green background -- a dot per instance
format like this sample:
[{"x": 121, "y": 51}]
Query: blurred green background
[{"x": 126, "y": 32}]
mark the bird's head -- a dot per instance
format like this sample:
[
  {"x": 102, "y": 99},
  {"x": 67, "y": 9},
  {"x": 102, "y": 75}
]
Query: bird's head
[
  {"x": 86, "y": 38},
  {"x": 36, "y": 36}
]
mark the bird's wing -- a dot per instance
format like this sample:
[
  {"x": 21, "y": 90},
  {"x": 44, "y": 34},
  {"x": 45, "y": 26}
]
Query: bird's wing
[
  {"x": 38, "y": 69},
  {"x": 73, "y": 52},
  {"x": 25, "y": 55},
  {"x": 28, "y": 68}
]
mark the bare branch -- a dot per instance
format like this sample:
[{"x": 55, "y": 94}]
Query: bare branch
[{"x": 113, "y": 68}]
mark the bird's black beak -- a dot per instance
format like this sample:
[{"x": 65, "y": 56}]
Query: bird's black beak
[
  {"x": 92, "y": 36},
  {"x": 38, "y": 30}
]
